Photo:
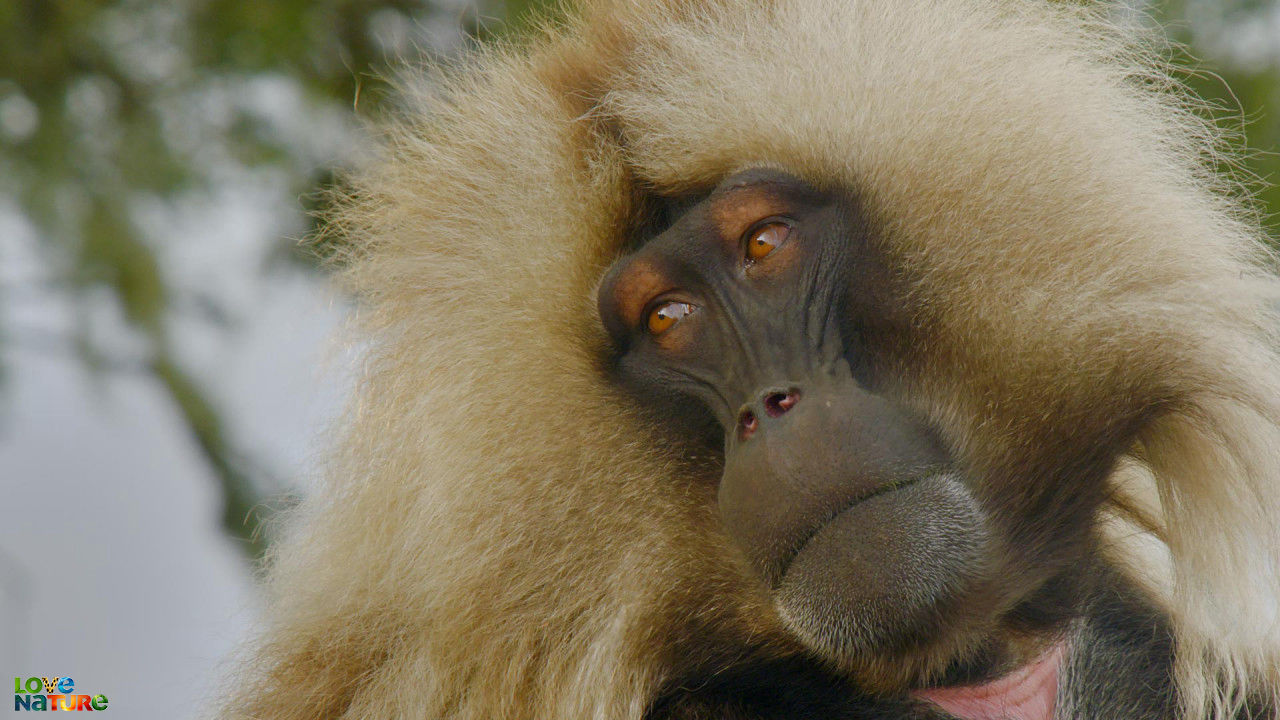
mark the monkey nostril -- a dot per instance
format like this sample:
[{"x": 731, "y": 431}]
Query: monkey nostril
[
  {"x": 776, "y": 404},
  {"x": 779, "y": 403}
]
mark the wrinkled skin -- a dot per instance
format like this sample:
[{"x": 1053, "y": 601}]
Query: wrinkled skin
[{"x": 751, "y": 311}]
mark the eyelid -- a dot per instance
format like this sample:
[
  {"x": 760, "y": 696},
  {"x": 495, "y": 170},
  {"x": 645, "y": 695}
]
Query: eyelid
[
  {"x": 639, "y": 281},
  {"x": 771, "y": 220}
]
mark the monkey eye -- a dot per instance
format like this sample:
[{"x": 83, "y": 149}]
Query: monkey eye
[
  {"x": 764, "y": 239},
  {"x": 667, "y": 314}
]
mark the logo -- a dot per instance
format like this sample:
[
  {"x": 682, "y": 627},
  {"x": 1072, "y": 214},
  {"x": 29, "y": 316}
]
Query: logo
[{"x": 55, "y": 693}]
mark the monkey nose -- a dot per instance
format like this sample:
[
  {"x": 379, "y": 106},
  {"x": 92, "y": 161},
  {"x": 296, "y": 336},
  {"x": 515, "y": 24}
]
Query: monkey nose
[
  {"x": 771, "y": 403},
  {"x": 777, "y": 403}
]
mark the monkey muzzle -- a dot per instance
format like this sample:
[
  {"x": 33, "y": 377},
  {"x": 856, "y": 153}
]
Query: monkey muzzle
[{"x": 846, "y": 507}]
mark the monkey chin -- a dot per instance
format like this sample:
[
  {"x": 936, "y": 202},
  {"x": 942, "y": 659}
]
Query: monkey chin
[{"x": 892, "y": 589}]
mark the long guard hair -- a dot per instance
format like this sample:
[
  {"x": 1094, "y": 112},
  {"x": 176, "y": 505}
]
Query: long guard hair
[{"x": 502, "y": 535}]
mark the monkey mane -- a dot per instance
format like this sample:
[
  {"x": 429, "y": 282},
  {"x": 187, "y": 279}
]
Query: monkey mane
[{"x": 501, "y": 535}]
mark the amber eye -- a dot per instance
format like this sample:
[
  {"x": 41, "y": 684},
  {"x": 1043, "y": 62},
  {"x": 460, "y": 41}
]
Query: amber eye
[
  {"x": 765, "y": 239},
  {"x": 662, "y": 317}
]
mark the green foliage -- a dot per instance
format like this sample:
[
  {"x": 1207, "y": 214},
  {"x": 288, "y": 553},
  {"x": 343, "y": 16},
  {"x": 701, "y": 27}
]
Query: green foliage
[
  {"x": 96, "y": 116},
  {"x": 1249, "y": 103},
  {"x": 111, "y": 253}
]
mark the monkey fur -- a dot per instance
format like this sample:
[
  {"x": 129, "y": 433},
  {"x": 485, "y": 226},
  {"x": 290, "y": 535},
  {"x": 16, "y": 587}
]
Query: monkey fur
[{"x": 505, "y": 532}]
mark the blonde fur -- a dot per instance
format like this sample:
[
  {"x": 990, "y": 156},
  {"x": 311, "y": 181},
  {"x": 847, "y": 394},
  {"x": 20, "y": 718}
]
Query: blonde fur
[{"x": 503, "y": 537}]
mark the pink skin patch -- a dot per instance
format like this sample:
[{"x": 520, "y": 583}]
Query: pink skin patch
[{"x": 1027, "y": 693}]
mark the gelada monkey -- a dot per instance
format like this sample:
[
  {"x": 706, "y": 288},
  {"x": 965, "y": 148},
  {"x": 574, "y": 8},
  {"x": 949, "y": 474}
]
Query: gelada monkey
[{"x": 890, "y": 359}]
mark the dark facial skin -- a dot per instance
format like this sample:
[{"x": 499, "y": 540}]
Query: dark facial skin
[
  {"x": 845, "y": 503},
  {"x": 768, "y": 310}
]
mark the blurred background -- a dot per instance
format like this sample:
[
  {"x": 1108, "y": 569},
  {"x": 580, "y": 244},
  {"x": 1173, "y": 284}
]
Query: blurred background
[{"x": 168, "y": 351}]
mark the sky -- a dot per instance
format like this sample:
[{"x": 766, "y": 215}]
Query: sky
[{"x": 114, "y": 569}]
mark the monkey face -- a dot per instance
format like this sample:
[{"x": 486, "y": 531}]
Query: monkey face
[{"x": 755, "y": 308}]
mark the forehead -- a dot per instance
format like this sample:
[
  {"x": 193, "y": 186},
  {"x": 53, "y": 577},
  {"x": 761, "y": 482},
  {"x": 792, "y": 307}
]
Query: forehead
[
  {"x": 732, "y": 207},
  {"x": 732, "y": 211}
]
